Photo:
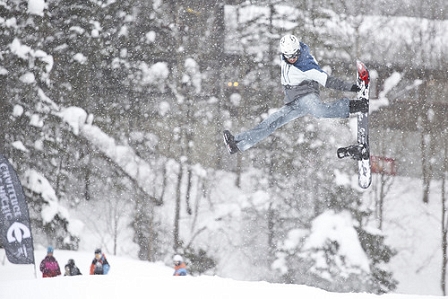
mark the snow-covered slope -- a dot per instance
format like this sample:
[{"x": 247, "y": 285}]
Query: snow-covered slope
[{"x": 136, "y": 279}]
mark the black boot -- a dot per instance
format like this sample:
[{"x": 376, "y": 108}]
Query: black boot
[
  {"x": 359, "y": 106},
  {"x": 356, "y": 152},
  {"x": 229, "y": 140}
]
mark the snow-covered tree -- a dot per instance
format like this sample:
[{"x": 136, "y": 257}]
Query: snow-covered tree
[{"x": 336, "y": 254}]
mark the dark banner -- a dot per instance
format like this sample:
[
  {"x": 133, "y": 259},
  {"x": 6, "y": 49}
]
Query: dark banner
[{"x": 15, "y": 229}]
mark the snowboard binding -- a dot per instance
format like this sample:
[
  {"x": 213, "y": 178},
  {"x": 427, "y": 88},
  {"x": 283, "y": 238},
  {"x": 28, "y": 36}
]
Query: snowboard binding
[{"x": 357, "y": 152}]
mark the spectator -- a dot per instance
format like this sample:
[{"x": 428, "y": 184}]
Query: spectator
[
  {"x": 71, "y": 269},
  {"x": 179, "y": 266},
  {"x": 100, "y": 265},
  {"x": 49, "y": 265}
]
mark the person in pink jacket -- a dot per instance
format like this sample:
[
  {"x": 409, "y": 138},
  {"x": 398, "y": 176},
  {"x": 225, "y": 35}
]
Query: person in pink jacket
[{"x": 49, "y": 265}]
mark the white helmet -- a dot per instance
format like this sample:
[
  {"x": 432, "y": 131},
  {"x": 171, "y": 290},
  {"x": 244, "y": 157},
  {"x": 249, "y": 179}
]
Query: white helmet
[
  {"x": 289, "y": 44},
  {"x": 177, "y": 258}
]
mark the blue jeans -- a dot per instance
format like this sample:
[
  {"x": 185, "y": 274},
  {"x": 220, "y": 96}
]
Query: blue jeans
[{"x": 308, "y": 104}]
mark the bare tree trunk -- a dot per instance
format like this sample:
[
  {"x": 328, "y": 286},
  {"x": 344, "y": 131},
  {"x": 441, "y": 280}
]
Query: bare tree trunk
[
  {"x": 115, "y": 231},
  {"x": 425, "y": 144},
  {"x": 384, "y": 187},
  {"x": 189, "y": 141},
  {"x": 176, "y": 232},
  {"x": 238, "y": 170},
  {"x": 152, "y": 233},
  {"x": 188, "y": 192},
  {"x": 271, "y": 234},
  {"x": 444, "y": 223},
  {"x": 444, "y": 241},
  {"x": 87, "y": 180},
  {"x": 379, "y": 204}
]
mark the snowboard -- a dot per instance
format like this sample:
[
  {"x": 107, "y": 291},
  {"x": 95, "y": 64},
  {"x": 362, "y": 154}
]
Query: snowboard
[{"x": 361, "y": 150}]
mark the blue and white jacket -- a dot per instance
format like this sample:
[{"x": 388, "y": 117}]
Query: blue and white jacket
[{"x": 304, "y": 76}]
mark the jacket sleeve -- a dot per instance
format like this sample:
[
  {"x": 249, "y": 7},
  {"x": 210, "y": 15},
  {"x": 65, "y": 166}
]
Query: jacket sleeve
[
  {"x": 106, "y": 265},
  {"x": 338, "y": 84},
  {"x": 106, "y": 268},
  {"x": 105, "y": 262},
  {"x": 58, "y": 271},
  {"x": 92, "y": 267}
]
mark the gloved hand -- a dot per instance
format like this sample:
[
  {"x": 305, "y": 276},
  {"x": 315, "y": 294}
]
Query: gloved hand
[{"x": 355, "y": 88}]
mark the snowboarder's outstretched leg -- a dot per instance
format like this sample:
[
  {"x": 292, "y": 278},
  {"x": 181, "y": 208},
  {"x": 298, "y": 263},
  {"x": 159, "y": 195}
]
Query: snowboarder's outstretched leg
[{"x": 308, "y": 104}]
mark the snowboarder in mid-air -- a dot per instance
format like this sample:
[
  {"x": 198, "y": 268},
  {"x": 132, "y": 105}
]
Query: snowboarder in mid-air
[{"x": 300, "y": 78}]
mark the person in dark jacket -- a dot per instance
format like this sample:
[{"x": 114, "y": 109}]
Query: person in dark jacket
[
  {"x": 300, "y": 78},
  {"x": 100, "y": 265},
  {"x": 71, "y": 269},
  {"x": 49, "y": 266}
]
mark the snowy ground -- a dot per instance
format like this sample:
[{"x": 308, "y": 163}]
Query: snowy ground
[
  {"x": 131, "y": 278},
  {"x": 414, "y": 229}
]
